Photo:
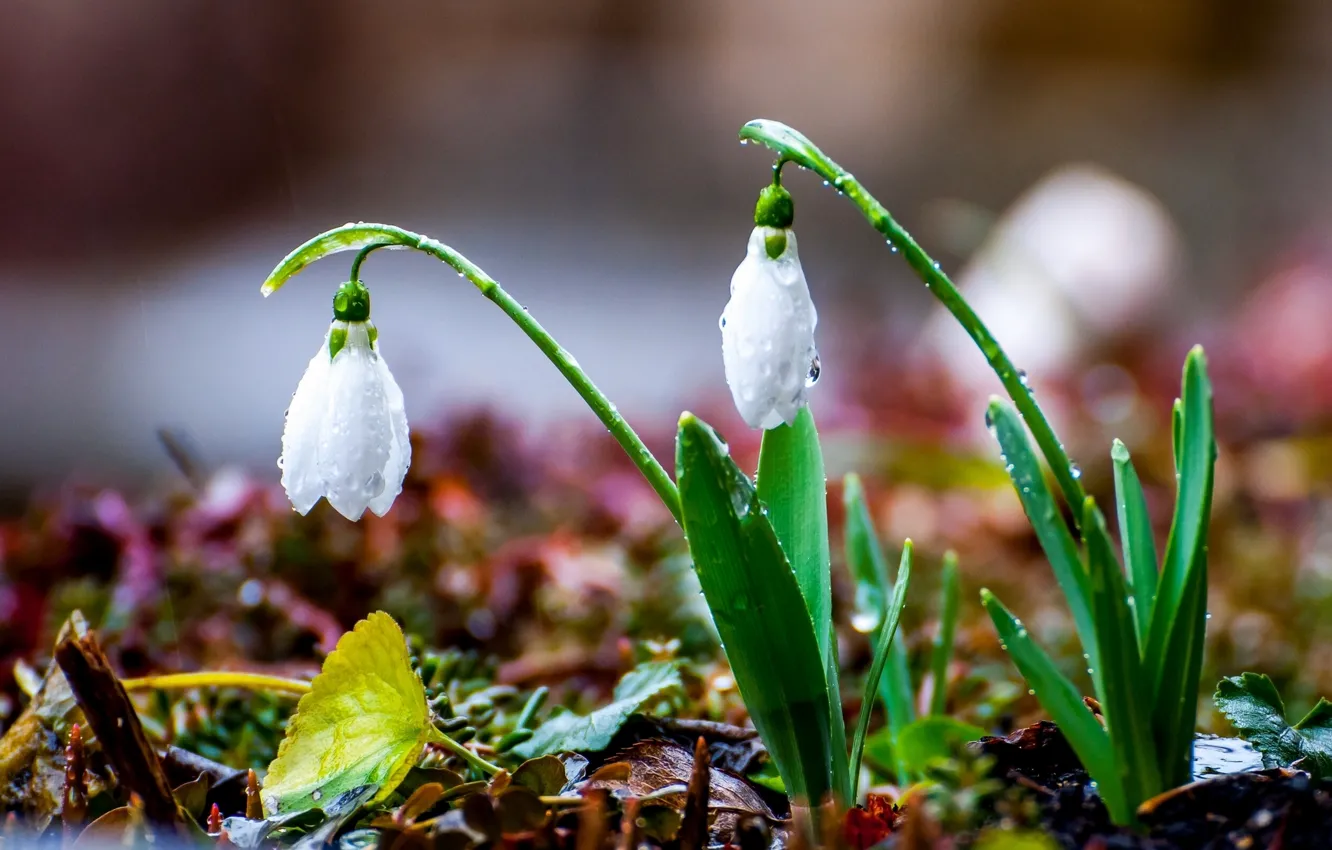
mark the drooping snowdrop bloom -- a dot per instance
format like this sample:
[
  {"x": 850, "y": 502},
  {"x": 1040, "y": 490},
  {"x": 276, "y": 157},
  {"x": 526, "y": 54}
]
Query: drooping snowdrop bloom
[
  {"x": 768, "y": 325},
  {"x": 346, "y": 432}
]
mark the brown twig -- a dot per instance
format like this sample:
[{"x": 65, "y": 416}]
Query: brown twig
[
  {"x": 694, "y": 826},
  {"x": 108, "y": 709}
]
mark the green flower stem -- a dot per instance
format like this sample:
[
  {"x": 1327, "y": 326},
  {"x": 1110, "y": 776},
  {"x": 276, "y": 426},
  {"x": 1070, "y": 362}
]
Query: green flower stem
[
  {"x": 217, "y": 679},
  {"x": 435, "y": 736},
  {"x": 366, "y": 237},
  {"x": 792, "y": 146}
]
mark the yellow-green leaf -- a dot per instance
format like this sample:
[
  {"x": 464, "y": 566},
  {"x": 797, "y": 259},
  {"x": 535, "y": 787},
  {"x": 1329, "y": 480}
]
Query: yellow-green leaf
[{"x": 364, "y": 721}]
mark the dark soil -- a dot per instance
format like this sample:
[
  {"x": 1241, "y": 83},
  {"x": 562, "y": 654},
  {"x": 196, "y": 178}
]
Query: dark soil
[{"x": 1279, "y": 809}]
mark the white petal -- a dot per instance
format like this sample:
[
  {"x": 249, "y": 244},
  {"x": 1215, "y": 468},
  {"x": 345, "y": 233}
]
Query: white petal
[
  {"x": 768, "y": 334},
  {"x": 400, "y": 452},
  {"x": 300, "y": 436},
  {"x": 355, "y": 437}
]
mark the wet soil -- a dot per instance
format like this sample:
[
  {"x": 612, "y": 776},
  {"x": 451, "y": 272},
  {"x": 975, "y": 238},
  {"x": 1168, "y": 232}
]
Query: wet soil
[{"x": 1278, "y": 808}]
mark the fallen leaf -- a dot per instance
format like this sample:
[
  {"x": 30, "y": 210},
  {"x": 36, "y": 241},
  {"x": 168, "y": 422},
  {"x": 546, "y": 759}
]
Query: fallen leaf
[{"x": 657, "y": 765}]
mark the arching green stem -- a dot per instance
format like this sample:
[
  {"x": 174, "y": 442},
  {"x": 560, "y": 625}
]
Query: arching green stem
[
  {"x": 792, "y": 146},
  {"x": 366, "y": 237},
  {"x": 217, "y": 679}
]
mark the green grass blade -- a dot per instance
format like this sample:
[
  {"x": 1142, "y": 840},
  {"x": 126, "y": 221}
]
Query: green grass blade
[
  {"x": 1135, "y": 532},
  {"x": 1043, "y": 513},
  {"x": 949, "y": 599},
  {"x": 1064, "y": 703},
  {"x": 792, "y": 486},
  {"x": 758, "y": 609},
  {"x": 1173, "y": 656},
  {"x": 887, "y": 633},
  {"x": 1120, "y": 687},
  {"x": 869, "y": 569}
]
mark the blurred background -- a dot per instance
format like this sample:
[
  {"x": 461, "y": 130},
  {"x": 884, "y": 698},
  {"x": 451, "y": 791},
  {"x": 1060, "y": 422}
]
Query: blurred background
[{"x": 1099, "y": 174}]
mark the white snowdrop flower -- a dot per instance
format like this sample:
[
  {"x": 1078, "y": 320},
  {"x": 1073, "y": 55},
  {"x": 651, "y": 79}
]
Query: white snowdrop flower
[
  {"x": 346, "y": 432},
  {"x": 768, "y": 325}
]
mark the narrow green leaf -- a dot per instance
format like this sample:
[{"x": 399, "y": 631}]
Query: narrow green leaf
[
  {"x": 1058, "y": 696},
  {"x": 1176, "y": 702},
  {"x": 794, "y": 490},
  {"x": 758, "y": 609},
  {"x": 1173, "y": 655},
  {"x": 569, "y": 732},
  {"x": 1120, "y": 686},
  {"x": 869, "y": 568},
  {"x": 886, "y": 634},
  {"x": 1043, "y": 513},
  {"x": 1135, "y": 532},
  {"x": 949, "y": 599}
]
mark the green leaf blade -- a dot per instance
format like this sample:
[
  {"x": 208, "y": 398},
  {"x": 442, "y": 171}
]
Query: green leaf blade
[
  {"x": 1135, "y": 531},
  {"x": 758, "y": 609},
  {"x": 1062, "y": 700},
  {"x": 1173, "y": 655},
  {"x": 1120, "y": 686},
  {"x": 1042, "y": 511},
  {"x": 949, "y": 599},
  {"x": 793, "y": 488},
  {"x": 869, "y": 569},
  {"x": 887, "y": 632}
]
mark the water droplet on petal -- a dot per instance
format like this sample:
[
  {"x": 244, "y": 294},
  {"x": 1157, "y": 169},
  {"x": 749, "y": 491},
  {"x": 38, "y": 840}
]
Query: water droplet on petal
[{"x": 815, "y": 369}]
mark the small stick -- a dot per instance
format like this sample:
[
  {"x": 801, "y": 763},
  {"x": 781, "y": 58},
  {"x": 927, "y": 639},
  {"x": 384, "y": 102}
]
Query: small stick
[
  {"x": 694, "y": 826},
  {"x": 114, "y": 721}
]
